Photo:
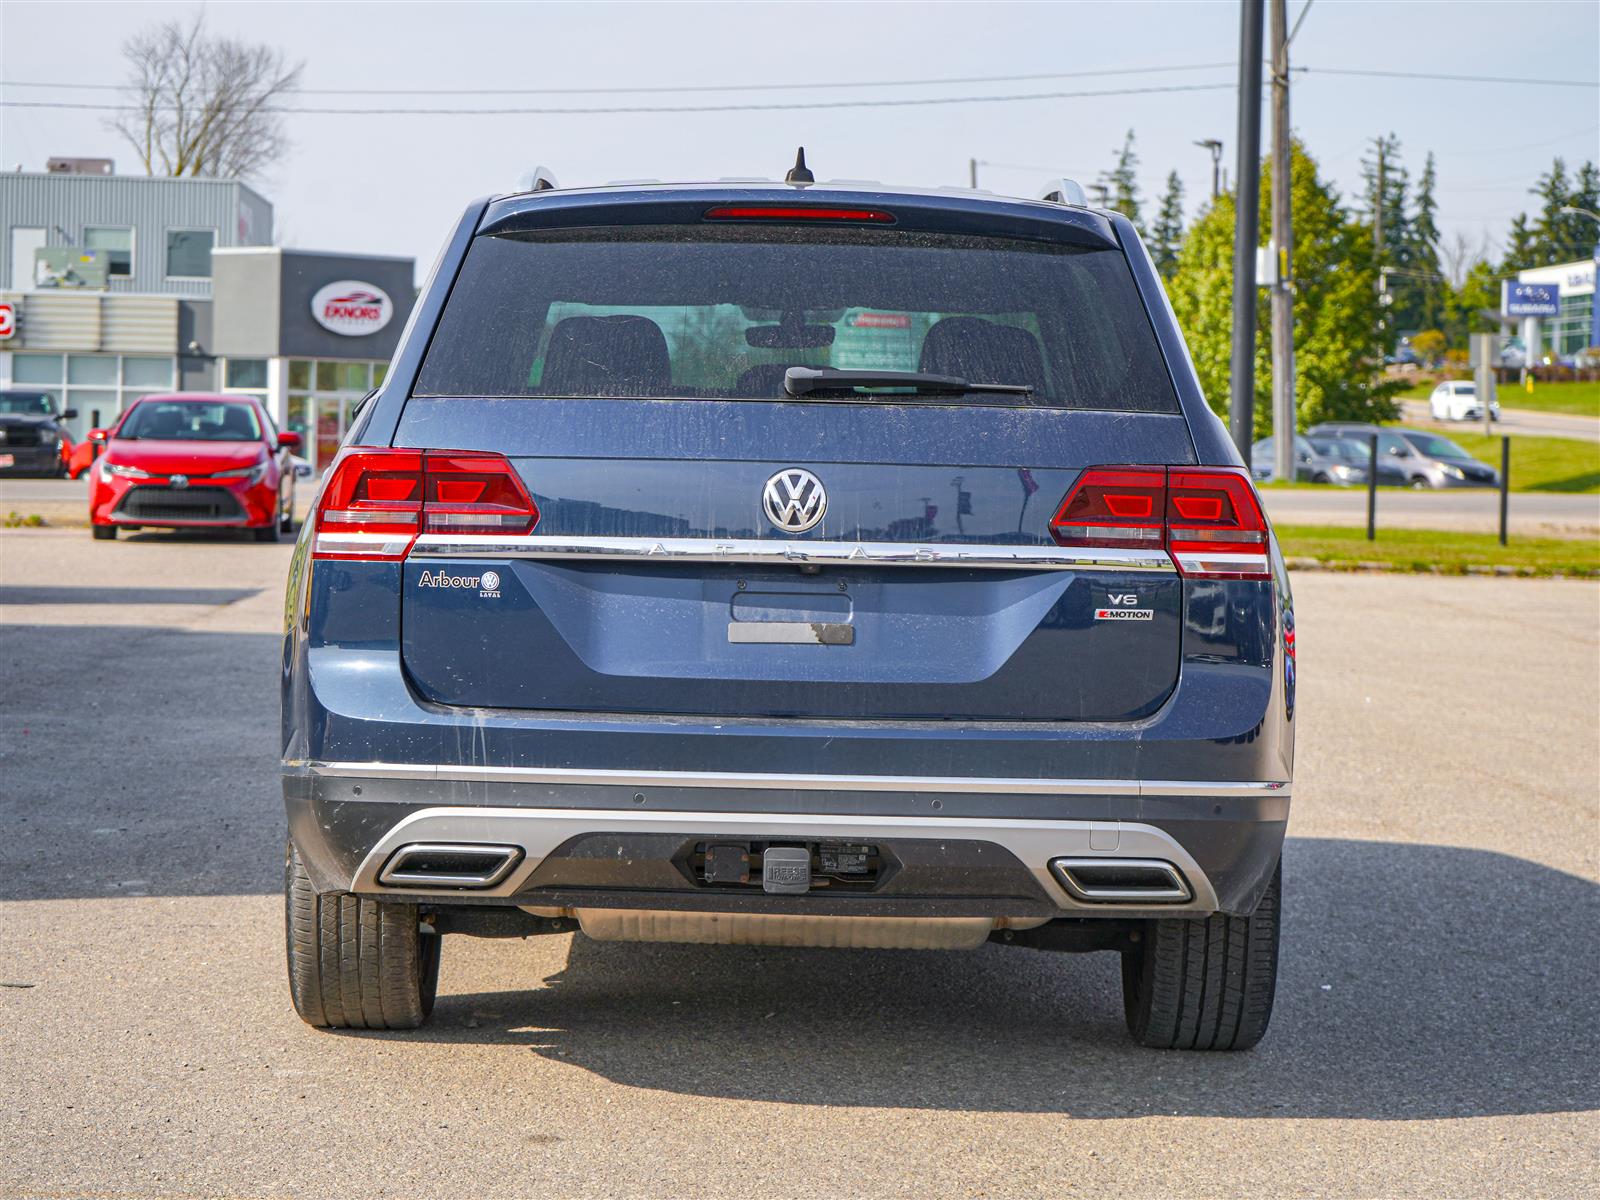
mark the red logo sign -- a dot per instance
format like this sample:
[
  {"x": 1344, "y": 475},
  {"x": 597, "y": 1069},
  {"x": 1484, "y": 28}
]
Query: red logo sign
[
  {"x": 351, "y": 308},
  {"x": 8, "y": 320}
]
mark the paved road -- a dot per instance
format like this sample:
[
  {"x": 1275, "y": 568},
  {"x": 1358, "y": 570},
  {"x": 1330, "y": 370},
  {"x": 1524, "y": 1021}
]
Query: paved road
[
  {"x": 1529, "y": 422},
  {"x": 1541, "y": 514},
  {"x": 1436, "y": 1031}
]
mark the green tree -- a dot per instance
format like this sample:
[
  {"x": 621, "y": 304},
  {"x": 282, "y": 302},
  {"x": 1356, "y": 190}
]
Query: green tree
[
  {"x": 1167, "y": 232},
  {"x": 1338, "y": 338},
  {"x": 1552, "y": 236},
  {"x": 1467, "y": 308},
  {"x": 1121, "y": 184},
  {"x": 1420, "y": 296}
]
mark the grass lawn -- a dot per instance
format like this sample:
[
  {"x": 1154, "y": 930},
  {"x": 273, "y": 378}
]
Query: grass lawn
[
  {"x": 1539, "y": 464},
  {"x": 1578, "y": 398},
  {"x": 1452, "y": 553}
]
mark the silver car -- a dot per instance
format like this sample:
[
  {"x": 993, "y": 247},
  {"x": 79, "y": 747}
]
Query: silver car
[
  {"x": 1312, "y": 463},
  {"x": 1425, "y": 459}
]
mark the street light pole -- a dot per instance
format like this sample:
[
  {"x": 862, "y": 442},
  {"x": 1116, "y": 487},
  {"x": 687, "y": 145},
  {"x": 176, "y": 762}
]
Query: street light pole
[
  {"x": 1214, "y": 145},
  {"x": 1242, "y": 400},
  {"x": 1282, "y": 243}
]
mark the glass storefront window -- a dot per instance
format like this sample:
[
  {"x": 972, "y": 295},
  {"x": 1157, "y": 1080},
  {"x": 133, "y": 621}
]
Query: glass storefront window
[
  {"x": 327, "y": 377},
  {"x": 329, "y": 431},
  {"x": 245, "y": 373},
  {"x": 36, "y": 368},
  {"x": 89, "y": 400},
  {"x": 147, "y": 372},
  {"x": 380, "y": 372},
  {"x": 353, "y": 377},
  {"x": 94, "y": 369},
  {"x": 299, "y": 375}
]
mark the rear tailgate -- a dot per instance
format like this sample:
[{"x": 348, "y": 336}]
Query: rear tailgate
[{"x": 654, "y": 581}]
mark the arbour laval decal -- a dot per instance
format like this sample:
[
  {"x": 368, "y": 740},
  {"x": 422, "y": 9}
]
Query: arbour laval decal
[
  {"x": 794, "y": 500},
  {"x": 352, "y": 308},
  {"x": 487, "y": 584}
]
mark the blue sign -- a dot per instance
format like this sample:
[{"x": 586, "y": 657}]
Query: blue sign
[{"x": 1529, "y": 299}]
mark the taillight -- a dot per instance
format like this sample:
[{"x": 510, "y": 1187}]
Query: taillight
[
  {"x": 1206, "y": 518},
  {"x": 1113, "y": 507},
  {"x": 377, "y": 501},
  {"x": 1215, "y": 526}
]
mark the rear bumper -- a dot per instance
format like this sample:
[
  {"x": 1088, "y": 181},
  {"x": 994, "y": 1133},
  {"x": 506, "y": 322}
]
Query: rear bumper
[{"x": 962, "y": 847}]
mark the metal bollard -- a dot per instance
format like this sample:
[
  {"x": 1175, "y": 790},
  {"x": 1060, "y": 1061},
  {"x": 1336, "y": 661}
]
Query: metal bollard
[
  {"x": 1372, "y": 487},
  {"x": 1505, "y": 483}
]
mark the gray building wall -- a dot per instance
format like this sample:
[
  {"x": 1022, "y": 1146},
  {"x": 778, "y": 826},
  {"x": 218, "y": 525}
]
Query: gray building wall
[
  {"x": 63, "y": 204},
  {"x": 263, "y": 303},
  {"x": 197, "y": 370}
]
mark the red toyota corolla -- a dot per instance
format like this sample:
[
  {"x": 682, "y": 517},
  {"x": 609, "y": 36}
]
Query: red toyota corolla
[{"x": 194, "y": 460}]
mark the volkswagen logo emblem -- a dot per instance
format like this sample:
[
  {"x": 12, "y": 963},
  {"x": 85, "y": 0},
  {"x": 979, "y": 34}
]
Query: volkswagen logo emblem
[
  {"x": 180, "y": 481},
  {"x": 794, "y": 500}
]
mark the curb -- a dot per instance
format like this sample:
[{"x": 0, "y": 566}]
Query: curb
[{"x": 1477, "y": 570}]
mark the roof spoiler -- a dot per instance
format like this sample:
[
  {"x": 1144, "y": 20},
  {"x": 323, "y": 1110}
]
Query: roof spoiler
[
  {"x": 1064, "y": 191},
  {"x": 540, "y": 179}
]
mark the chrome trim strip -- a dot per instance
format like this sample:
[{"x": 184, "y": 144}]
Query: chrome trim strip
[
  {"x": 760, "y": 550},
  {"x": 540, "y": 831},
  {"x": 946, "y": 784}
]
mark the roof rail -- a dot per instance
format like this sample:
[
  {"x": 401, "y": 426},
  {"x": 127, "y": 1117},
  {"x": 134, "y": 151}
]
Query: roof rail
[
  {"x": 1064, "y": 191},
  {"x": 540, "y": 179}
]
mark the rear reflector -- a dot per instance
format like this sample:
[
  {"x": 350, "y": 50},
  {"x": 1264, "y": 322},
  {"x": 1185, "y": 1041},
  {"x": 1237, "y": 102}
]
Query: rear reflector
[
  {"x": 767, "y": 212},
  {"x": 378, "y": 500},
  {"x": 1207, "y": 518}
]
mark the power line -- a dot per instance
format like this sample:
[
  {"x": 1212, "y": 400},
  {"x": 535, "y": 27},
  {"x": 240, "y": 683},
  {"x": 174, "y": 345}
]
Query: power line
[
  {"x": 689, "y": 87},
  {"x": 902, "y": 102},
  {"x": 1583, "y": 83}
]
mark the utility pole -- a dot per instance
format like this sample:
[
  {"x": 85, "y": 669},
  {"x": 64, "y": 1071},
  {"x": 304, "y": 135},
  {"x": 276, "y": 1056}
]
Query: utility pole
[
  {"x": 1246, "y": 230},
  {"x": 1377, "y": 204},
  {"x": 1283, "y": 378}
]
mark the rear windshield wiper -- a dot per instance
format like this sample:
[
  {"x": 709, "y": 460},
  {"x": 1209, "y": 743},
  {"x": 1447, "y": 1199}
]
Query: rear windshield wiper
[{"x": 801, "y": 381}]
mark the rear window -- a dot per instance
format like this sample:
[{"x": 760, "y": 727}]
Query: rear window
[{"x": 722, "y": 313}]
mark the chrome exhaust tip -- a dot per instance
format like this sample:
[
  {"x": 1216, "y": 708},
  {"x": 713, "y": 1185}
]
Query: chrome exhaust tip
[
  {"x": 1121, "y": 880},
  {"x": 448, "y": 865}
]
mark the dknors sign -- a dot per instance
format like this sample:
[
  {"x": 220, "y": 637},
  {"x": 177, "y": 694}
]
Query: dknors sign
[{"x": 352, "y": 308}]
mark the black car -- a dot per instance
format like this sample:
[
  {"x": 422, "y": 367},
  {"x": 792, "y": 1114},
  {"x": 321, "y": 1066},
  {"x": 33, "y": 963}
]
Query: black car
[
  {"x": 31, "y": 434},
  {"x": 790, "y": 564}
]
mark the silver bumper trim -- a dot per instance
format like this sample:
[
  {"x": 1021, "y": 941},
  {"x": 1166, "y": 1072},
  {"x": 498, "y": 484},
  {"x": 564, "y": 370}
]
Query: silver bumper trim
[
  {"x": 946, "y": 784},
  {"x": 539, "y": 831},
  {"x": 771, "y": 551}
]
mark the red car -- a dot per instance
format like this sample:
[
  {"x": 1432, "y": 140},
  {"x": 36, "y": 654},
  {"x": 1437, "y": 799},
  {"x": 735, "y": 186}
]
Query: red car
[{"x": 193, "y": 460}]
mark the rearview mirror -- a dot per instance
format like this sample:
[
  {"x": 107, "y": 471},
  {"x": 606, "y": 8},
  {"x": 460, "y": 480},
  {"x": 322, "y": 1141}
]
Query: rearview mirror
[
  {"x": 290, "y": 440},
  {"x": 69, "y": 414}
]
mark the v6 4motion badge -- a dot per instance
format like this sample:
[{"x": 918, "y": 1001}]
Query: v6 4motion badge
[{"x": 1122, "y": 606}]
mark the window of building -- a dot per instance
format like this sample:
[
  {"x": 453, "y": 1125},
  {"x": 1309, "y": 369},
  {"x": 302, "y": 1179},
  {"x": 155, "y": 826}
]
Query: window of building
[
  {"x": 323, "y": 394},
  {"x": 92, "y": 370},
  {"x": 116, "y": 243},
  {"x": 246, "y": 373},
  {"x": 189, "y": 253},
  {"x": 99, "y": 386}
]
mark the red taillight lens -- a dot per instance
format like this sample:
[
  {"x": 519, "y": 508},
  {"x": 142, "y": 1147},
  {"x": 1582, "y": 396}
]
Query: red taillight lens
[
  {"x": 769, "y": 212},
  {"x": 475, "y": 493},
  {"x": 1111, "y": 506},
  {"x": 1215, "y": 526},
  {"x": 377, "y": 501},
  {"x": 1208, "y": 519}
]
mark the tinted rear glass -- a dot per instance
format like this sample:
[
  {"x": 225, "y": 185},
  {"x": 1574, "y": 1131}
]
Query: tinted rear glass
[
  {"x": 722, "y": 312},
  {"x": 189, "y": 420}
]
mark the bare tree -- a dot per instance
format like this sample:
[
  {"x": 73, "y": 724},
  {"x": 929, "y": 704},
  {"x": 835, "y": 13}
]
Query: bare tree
[
  {"x": 1460, "y": 255},
  {"x": 201, "y": 104}
]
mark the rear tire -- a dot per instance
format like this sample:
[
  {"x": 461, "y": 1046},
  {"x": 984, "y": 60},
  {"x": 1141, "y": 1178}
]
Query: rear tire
[
  {"x": 267, "y": 533},
  {"x": 103, "y": 533},
  {"x": 355, "y": 963},
  {"x": 1205, "y": 983}
]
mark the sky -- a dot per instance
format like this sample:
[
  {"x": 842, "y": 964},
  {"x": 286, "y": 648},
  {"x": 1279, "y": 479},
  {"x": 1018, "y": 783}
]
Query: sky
[{"x": 394, "y": 184}]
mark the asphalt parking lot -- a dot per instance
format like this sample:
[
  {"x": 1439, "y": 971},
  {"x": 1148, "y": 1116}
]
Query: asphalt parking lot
[{"x": 1436, "y": 1034}]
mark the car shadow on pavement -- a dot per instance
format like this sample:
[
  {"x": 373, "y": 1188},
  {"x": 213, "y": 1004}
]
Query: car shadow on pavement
[
  {"x": 69, "y": 594},
  {"x": 1417, "y": 982}
]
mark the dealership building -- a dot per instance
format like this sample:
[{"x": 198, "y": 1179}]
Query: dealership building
[{"x": 123, "y": 286}]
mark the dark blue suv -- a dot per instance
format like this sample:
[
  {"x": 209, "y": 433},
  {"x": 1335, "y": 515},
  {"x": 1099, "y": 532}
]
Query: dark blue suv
[{"x": 790, "y": 564}]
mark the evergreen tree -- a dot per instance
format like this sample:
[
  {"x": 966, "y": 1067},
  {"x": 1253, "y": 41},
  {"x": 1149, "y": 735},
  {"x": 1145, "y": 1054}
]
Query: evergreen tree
[
  {"x": 1167, "y": 232},
  {"x": 1553, "y": 236},
  {"x": 1397, "y": 236},
  {"x": 1121, "y": 184},
  {"x": 1338, "y": 339},
  {"x": 1419, "y": 300}
]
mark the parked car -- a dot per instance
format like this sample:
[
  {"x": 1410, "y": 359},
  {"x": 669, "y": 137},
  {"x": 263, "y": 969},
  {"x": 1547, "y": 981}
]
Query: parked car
[
  {"x": 1418, "y": 468},
  {"x": 1311, "y": 464},
  {"x": 33, "y": 436},
  {"x": 193, "y": 460},
  {"x": 1457, "y": 400},
  {"x": 764, "y": 564},
  {"x": 1357, "y": 454},
  {"x": 1456, "y": 463}
]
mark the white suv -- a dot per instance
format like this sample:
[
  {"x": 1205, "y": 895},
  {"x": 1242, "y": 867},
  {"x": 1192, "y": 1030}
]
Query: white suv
[{"x": 1457, "y": 400}]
